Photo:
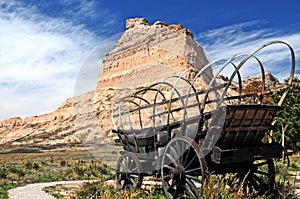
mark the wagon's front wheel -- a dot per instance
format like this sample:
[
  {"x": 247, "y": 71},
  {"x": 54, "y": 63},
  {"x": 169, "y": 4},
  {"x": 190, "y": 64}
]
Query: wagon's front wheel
[
  {"x": 129, "y": 172},
  {"x": 182, "y": 168}
]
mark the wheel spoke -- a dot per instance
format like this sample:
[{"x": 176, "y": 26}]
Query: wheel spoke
[
  {"x": 167, "y": 177},
  {"x": 122, "y": 166},
  {"x": 173, "y": 161},
  {"x": 237, "y": 178},
  {"x": 192, "y": 170},
  {"x": 262, "y": 173},
  {"x": 128, "y": 163},
  {"x": 187, "y": 156},
  {"x": 133, "y": 182},
  {"x": 183, "y": 149},
  {"x": 168, "y": 167},
  {"x": 260, "y": 164},
  {"x": 177, "y": 191},
  {"x": 193, "y": 187},
  {"x": 194, "y": 178},
  {"x": 192, "y": 160},
  {"x": 255, "y": 184},
  {"x": 174, "y": 153},
  {"x": 174, "y": 182},
  {"x": 262, "y": 183},
  {"x": 134, "y": 176},
  {"x": 177, "y": 146},
  {"x": 125, "y": 164},
  {"x": 133, "y": 170}
]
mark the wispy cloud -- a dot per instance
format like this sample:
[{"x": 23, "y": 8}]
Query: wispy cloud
[
  {"x": 40, "y": 58},
  {"x": 224, "y": 42},
  {"x": 89, "y": 12}
]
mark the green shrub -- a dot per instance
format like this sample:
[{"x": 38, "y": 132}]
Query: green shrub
[
  {"x": 80, "y": 169},
  {"x": 3, "y": 171},
  {"x": 295, "y": 166},
  {"x": 20, "y": 171},
  {"x": 63, "y": 163},
  {"x": 29, "y": 165},
  {"x": 36, "y": 165}
]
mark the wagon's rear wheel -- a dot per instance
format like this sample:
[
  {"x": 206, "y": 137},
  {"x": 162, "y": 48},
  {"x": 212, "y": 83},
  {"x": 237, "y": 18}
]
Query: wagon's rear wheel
[
  {"x": 129, "y": 172},
  {"x": 182, "y": 168},
  {"x": 258, "y": 179}
]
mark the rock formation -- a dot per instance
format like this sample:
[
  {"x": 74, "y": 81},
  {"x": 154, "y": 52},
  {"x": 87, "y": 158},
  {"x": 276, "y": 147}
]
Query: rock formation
[
  {"x": 145, "y": 53},
  {"x": 48, "y": 129},
  {"x": 270, "y": 80}
]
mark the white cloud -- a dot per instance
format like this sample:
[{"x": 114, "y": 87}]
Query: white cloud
[
  {"x": 224, "y": 42},
  {"x": 89, "y": 72},
  {"x": 88, "y": 11},
  {"x": 40, "y": 57}
]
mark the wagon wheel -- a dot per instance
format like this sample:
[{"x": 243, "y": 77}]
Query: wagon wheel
[
  {"x": 182, "y": 168},
  {"x": 258, "y": 177},
  {"x": 129, "y": 172}
]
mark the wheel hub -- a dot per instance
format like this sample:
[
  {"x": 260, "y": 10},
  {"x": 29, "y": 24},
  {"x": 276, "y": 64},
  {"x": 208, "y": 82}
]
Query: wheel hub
[{"x": 178, "y": 174}]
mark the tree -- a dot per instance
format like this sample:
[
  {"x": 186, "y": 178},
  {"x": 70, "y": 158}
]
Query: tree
[{"x": 289, "y": 116}]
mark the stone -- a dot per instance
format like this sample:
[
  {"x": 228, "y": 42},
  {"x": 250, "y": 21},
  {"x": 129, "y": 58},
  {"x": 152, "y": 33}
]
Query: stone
[
  {"x": 131, "y": 23},
  {"x": 160, "y": 23}
]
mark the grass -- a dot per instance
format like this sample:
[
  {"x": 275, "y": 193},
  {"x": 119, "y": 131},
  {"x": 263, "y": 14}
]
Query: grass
[
  {"x": 215, "y": 186},
  {"x": 52, "y": 190},
  {"x": 98, "y": 190},
  {"x": 18, "y": 169}
]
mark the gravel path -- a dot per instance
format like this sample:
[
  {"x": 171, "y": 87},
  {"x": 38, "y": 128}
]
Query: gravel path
[{"x": 34, "y": 191}]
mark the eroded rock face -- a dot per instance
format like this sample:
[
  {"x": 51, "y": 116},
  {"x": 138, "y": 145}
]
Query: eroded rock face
[
  {"x": 144, "y": 53},
  {"x": 143, "y": 44},
  {"x": 131, "y": 23},
  {"x": 270, "y": 80},
  {"x": 48, "y": 129}
]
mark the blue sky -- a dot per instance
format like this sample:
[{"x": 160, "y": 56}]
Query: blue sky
[{"x": 44, "y": 44}]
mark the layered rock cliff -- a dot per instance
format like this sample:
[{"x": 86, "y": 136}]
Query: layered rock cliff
[
  {"x": 49, "y": 129},
  {"x": 145, "y": 53}
]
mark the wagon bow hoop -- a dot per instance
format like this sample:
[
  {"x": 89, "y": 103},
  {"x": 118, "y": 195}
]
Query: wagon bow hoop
[{"x": 293, "y": 63}]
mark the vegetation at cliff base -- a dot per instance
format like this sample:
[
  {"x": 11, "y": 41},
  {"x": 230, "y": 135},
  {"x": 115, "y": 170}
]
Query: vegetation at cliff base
[{"x": 288, "y": 119}]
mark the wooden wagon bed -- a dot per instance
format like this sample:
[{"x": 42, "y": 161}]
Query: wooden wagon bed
[{"x": 243, "y": 132}]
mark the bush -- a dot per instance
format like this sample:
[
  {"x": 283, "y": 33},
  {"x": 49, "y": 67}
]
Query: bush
[
  {"x": 20, "y": 171},
  {"x": 3, "y": 171}
]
